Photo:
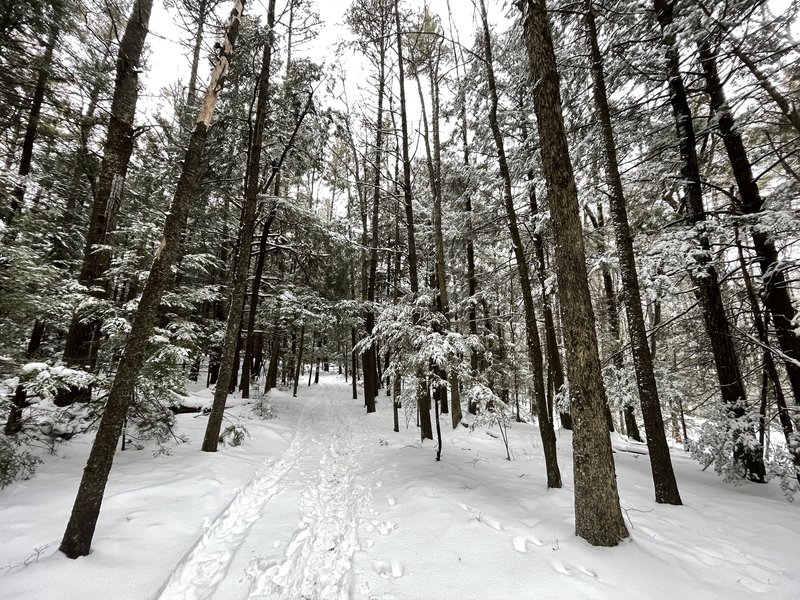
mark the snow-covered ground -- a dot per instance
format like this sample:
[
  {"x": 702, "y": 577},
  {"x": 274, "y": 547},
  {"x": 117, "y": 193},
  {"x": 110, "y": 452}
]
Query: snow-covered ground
[{"x": 326, "y": 502}]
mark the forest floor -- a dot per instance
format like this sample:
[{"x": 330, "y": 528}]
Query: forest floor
[{"x": 325, "y": 502}]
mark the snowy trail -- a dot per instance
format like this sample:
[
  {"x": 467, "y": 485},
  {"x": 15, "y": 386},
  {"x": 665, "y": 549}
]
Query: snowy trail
[
  {"x": 317, "y": 562},
  {"x": 317, "y": 474},
  {"x": 199, "y": 573},
  {"x": 327, "y": 503}
]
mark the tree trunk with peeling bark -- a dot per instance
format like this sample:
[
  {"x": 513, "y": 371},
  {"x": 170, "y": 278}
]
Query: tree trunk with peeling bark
[
  {"x": 242, "y": 263},
  {"x": 86, "y": 509}
]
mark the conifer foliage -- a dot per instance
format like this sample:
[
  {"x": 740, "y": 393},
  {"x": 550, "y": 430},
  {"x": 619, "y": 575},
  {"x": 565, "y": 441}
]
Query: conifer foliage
[{"x": 581, "y": 215}]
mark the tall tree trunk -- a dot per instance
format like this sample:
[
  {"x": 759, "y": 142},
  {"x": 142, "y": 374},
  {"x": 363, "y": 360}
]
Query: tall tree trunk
[
  {"x": 598, "y": 518},
  {"x": 554, "y": 363},
  {"x": 242, "y": 263},
  {"x": 370, "y": 357},
  {"x": 80, "y": 349},
  {"x": 612, "y": 310},
  {"x": 441, "y": 274},
  {"x": 476, "y": 359},
  {"x": 244, "y": 383},
  {"x": 191, "y": 87},
  {"x": 531, "y": 327},
  {"x": 299, "y": 365},
  {"x": 32, "y": 127},
  {"x": 770, "y": 370},
  {"x": 354, "y": 362},
  {"x": 666, "y": 488},
  {"x": 83, "y": 519},
  {"x": 422, "y": 392},
  {"x": 775, "y": 287},
  {"x": 704, "y": 275},
  {"x": 275, "y": 177}
]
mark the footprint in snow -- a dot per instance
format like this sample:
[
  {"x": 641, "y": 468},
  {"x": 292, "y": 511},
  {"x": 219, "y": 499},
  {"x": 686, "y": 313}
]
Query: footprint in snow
[
  {"x": 387, "y": 570},
  {"x": 384, "y": 527},
  {"x": 586, "y": 571},
  {"x": 753, "y": 585},
  {"x": 559, "y": 567},
  {"x": 430, "y": 492},
  {"x": 493, "y": 523},
  {"x": 520, "y": 543}
]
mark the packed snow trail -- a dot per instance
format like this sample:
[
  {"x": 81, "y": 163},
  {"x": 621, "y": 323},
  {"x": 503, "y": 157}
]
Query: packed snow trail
[
  {"x": 344, "y": 508},
  {"x": 318, "y": 556}
]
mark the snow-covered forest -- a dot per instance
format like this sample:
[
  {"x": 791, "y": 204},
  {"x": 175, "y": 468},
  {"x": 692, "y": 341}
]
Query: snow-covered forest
[{"x": 394, "y": 299}]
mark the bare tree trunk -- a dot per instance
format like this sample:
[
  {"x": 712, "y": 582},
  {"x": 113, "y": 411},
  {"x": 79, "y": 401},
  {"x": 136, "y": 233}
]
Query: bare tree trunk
[
  {"x": 80, "y": 349},
  {"x": 551, "y": 340},
  {"x": 299, "y": 365},
  {"x": 354, "y": 363},
  {"x": 369, "y": 357},
  {"x": 242, "y": 263},
  {"x": 775, "y": 287},
  {"x": 191, "y": 88},
  {"x": 704, "y": 275},
  {"x": 244, "y": 383},
  {"x": 598, "y": 518},
  {"x": 666, "y": 488},
  {"x": 80, "y": 529},
  {"x": 423, "y": 394},
  {"x": 770, "y": 370},
  {"x": 441, "y": 274},
  {"x": 32, "y": 127},
  {"x": 476, "y": 359},
  {"x": 531, "y": 327}
]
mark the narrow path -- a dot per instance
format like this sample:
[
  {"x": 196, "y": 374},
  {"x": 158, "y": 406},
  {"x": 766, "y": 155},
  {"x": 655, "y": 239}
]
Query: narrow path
[
  {"x": 317, "y": 474},
  {"x": 318, "y": 558}
]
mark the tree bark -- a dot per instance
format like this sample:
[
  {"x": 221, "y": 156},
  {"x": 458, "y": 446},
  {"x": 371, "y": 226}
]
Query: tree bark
[
  {"x": 244, "y": 383},
  {"x": 83, "y": 519},
  {"x": 80, "y": 349},
  {"x": 299, "y": 365},
  {"x": 242, "y": 263},
  {"x": 551, "y": 339},
  {"x": 775, "y": 288},
  {"x": 370, "y": 358},
  {"x": 666, "y": 487},
  {"x": 422, "y": 392},
  {"x": 531, "y": 327},
  {"x": 704, "y": 275},
  {"x": 191, "y": 88},
  {"x": 32, "y": 126},
  {"x": 598, "y": 518}
]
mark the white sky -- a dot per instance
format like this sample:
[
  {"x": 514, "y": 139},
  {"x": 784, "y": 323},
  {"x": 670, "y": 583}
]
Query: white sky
[{"x": 170, "y": 54}]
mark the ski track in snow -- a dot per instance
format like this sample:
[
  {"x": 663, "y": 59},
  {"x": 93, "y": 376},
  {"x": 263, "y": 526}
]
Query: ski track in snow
[
  {"x": 318, "y": 558},
  {"x": 198, "y": 574}
]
